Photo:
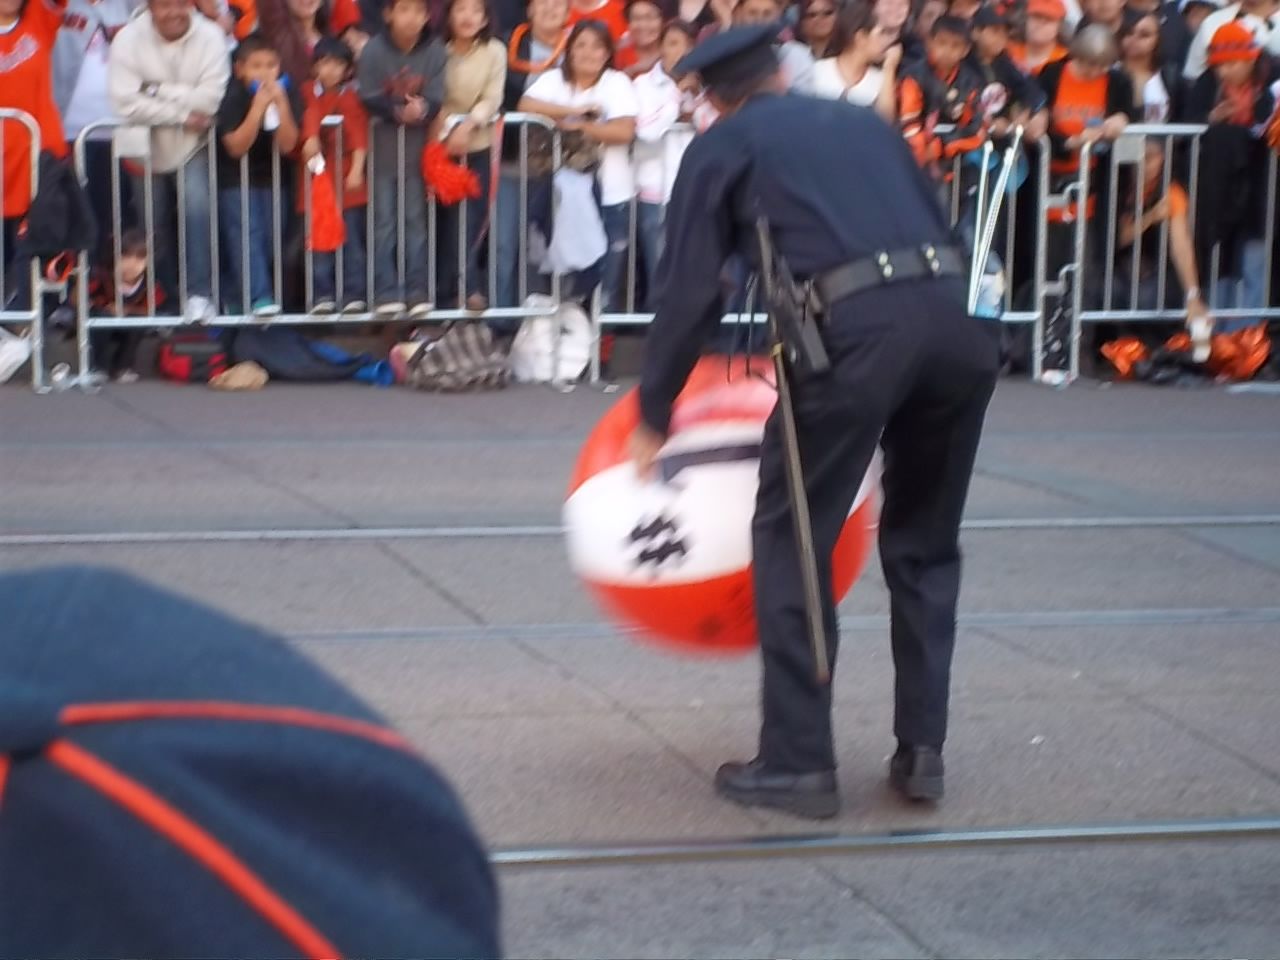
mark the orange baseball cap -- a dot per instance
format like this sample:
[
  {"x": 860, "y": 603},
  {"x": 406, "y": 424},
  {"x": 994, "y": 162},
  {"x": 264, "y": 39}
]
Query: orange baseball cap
[
  {"x": 1232, "y": 41},
  {"x": 1049, "y": 9}
]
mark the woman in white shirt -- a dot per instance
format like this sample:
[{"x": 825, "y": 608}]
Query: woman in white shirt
[
  {"x": 852, "y": 74},
  {"x": 588, "y": 97},
  {"x": 665, "y": 104},
  {"x": 1141, "y": 59}
]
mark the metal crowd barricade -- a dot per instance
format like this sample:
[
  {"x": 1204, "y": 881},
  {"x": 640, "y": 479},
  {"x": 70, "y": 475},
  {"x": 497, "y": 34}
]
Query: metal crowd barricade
[
  {"x": 145, "y": 214},
  {"x": 632, "y": 317},
  {"x": 33, "y": 317},
  {"x": 989, "y": 206},
  {"x": 1182, "y": 148}
]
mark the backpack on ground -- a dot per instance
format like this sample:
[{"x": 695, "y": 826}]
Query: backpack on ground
[
  {"x": 555, "y": 347},
  {"x": 464, "y": 357},
  {"x": 191, "y": 358}
]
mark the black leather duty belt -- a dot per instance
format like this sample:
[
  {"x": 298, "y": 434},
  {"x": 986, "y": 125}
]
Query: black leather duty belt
[{"x": 888, "y": 266}]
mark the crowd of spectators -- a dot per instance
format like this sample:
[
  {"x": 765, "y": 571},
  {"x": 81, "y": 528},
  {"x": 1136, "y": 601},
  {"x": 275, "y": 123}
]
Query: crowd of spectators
[{"x": 236, "y": 92}]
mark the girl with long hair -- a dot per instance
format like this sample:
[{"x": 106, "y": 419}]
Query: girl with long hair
[
  {"x": 586, "y": 97},
  {"x": 473, "y": 83},
  {"x": 862, "y": 42}
]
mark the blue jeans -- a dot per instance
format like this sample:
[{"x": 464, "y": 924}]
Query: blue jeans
[
  {"x": 259, "y": 240},
  {"x": 1243, "y": 291},
  {"x": 617, "y": 232},
  {"x": 197, "y": 215},
  {"x": 507, "y": 220},
  {"x": 474, "y": 275},
  {"x": 325, "y": 265},
  {"x": 652, "y": 239},
  {"x": 388, "y": 283}
]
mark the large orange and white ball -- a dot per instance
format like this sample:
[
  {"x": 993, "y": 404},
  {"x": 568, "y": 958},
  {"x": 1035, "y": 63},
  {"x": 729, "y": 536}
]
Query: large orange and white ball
[{"x": 672, "y": 555}]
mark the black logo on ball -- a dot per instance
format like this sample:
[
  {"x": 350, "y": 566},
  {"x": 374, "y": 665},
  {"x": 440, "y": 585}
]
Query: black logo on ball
[{"x": 659, "y": 543}]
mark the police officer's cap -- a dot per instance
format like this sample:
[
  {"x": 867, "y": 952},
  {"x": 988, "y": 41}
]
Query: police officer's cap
[{"x": 735, "y": 55}]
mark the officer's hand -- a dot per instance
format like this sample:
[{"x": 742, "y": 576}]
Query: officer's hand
[{"x": 644, "y": 446}]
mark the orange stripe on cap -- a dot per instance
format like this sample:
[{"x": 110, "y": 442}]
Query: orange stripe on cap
[
  {"x": 133, "y": 711},
  {"x": 197, "y": 843}
]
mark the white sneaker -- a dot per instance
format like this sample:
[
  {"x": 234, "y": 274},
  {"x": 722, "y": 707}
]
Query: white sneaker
[
  {"x": 1201, "y": 329},
  {"x": 199, "y": 310},
  {"x": 420, "y": 310},
  {"x": 323, "y": 308}
]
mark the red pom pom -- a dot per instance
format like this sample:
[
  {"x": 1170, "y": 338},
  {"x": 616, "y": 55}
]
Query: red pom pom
[
  {"x": 448, "y": 180},
  {"x": 328, "y": 232}
]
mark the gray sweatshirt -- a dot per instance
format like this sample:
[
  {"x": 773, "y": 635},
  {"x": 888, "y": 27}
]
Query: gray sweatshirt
[
  {"x": 80, "y": 24},
  {"x": 387, "y": 76}
]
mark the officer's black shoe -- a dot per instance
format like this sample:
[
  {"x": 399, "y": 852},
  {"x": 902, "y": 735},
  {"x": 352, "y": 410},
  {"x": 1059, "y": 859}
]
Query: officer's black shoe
[
  {"x": 916, "y": 772},
  {"x": 811, "y": 795}
]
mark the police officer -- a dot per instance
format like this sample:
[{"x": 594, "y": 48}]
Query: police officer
[{"x": 859, "y": 225}]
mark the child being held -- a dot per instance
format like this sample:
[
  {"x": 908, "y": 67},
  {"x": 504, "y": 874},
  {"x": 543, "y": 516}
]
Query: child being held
[
  {"x": 122, "y": 291},
  {"x": 332, "y": 94},
  {"x": 258, "y": 116}
]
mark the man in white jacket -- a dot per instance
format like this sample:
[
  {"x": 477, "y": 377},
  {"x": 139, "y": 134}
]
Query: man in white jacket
[
  {"x": 169, "y": 66},
  {"x": 1260, "y": 16}
]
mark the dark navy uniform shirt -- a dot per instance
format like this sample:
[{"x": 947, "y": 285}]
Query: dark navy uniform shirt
[{"x": 834, "y": 180}]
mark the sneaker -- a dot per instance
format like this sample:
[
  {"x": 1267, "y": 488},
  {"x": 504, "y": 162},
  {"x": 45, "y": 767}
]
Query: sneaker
[
  {"x": 323, "y": 308},
  {"x": 355, "y": 306},
  {"x": 390, "y": 308},
  {"x": 1201, "y": 338},
  {"x": 199, "y": 310},
  {"x": 420, "y": 310},
  {"x": 266, "y": 308},
  {"x": 127, "y": 376}
]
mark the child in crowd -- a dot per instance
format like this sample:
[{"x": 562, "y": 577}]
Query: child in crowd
[
  {"x": 1041, "y": 34},
  {"x": 332, "y": 94},
  {"x": 474, "y": 81},
  {"x": 401, "y": 81},
  {"x": 1009, "y": 98},
  {"x": 917, "y": 37},
  {"x": 122, "y": 292},
  {"x": 641, "y": 49},
  {"x": 942, "y": 89},
  {"x": 257, "y": 119}
]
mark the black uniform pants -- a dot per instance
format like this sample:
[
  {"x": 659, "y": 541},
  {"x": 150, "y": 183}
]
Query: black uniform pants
[{"x": 912, "y": 372}]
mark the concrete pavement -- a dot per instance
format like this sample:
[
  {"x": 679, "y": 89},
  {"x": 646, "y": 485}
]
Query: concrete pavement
[{"x": 1112, "y": 674}]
